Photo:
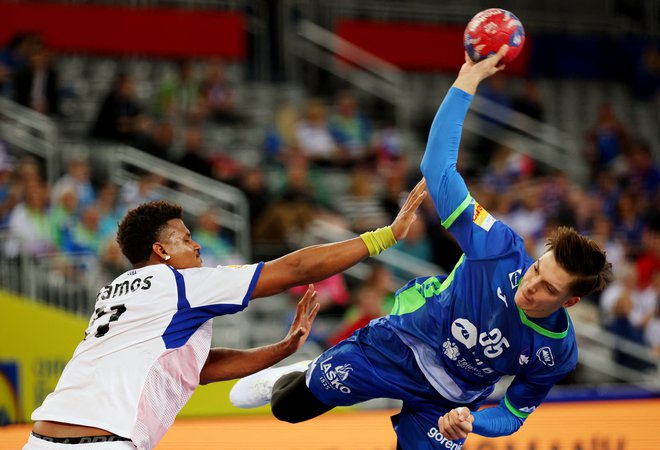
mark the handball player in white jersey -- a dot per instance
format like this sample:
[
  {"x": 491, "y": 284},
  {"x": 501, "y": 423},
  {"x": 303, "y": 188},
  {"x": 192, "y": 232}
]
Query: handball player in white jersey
[{"x": 147, "y": 346}]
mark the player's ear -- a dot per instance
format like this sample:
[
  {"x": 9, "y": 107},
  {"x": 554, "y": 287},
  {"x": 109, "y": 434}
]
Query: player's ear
[
  {"x": 570, "y": 301},
  {"x": 159, "y": 250}
]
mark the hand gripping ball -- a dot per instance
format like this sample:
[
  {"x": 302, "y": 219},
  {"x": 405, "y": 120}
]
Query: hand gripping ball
[{"x": 491, "y": 29}]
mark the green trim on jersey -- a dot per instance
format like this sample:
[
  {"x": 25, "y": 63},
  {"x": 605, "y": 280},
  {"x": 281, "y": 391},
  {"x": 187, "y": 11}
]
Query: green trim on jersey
[
  {"x": 539, "y": 329},
  {"x": 410, "y": 300},
  {"x": 457, "y": 212},
  {"x": 513, "y": 410}
]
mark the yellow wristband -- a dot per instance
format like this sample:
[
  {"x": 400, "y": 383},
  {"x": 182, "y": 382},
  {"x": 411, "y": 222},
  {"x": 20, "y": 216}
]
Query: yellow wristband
[{"x": 378, "y": 240}]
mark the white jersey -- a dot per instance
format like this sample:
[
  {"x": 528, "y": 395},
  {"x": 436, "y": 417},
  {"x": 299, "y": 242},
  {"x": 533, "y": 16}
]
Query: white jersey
[{"x": 144, "y": 348}]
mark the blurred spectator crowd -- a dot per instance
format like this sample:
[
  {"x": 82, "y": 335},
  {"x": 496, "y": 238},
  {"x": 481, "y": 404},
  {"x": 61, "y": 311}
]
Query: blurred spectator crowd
[{"x": 305, "y": 149}]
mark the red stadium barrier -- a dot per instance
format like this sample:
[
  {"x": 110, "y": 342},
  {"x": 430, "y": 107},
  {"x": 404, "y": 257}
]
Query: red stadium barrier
[
  {"x": 116, "y": 30},
  {"x": 415, "y": 46}
]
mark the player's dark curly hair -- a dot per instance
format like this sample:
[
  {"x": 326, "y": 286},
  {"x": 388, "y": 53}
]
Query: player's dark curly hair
[
  {"x": 582, "y": 258},
  {"x": 142, "y": 226}
]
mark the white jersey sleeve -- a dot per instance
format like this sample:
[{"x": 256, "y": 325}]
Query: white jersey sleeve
[{"x": 202, "y": 287}]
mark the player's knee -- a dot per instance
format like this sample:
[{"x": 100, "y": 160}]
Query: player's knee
[
  {"x": 293, "y": 402},
  {"x": 283, "y": 403},
  {"x": 285, "y": 412}
]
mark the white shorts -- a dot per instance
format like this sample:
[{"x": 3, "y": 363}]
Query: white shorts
[{"x": 34, "y": 443}]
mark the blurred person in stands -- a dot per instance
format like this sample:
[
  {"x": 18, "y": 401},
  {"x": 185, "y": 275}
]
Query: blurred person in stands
[
  {"x": 647, "y": 74},
  {"x": 13, "y": 57},
  {"x": 120, "y": 114},
  {"x": 332, "y": 295},
  {"x": 78, "y": 178},
  {"x": 528, "y": 217},
  {"x": 36, "y": 86},
  {"x": 216, "y": 250},
  {"x": 84, "y": 236},
  {"x": 395, "y": 190},
  {"x": 142, "y": 190},
  {"x": 643, "y": 174},
  {"x": 505, "y": 169},
  {"x": 496, "y": 91},
  {"x": 30, "y": 229},
  {"x": 63, "y": 215},
  {"x": 630, "y": 221},
  {"x": 179, "y": 96},
  {"x": 217, "y": 95},
  {"x": 529, "y": 101},
  {"x": 652, "y": 332},
  {"x": 9, "y": 192},
  {"x": 226, "y": 169},
  {"x": 148, "y": 343},
  {"x": 281, "y": 139},
  {"x": 255, "y": 187},
  {"x": 110, "y": 210},
  {"x": 194, "y": 157},
  {"x": 449, "y": 339},
  {"x": 607, "y": 140},
  {"x": 417, "y": 244},
  {"x": 648, "y": 261},
  {"x": 333, "y": 298},
  {"x": 603, "y": 233},
  {"x": 371, "y": 300},
  {"x": 300, "y": 200},
  {"x": 361, "y": 206},
  {"x": 351, "y": 130},
  {"x": 161, "y": 140},
  {"x": 313, "y": 136},
  {"x": 607, "y": 188},
  {"x": 626, "y": 310}
]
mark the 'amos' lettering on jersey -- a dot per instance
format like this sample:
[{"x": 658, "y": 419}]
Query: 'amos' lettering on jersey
[{"x": 117, "y": 289}]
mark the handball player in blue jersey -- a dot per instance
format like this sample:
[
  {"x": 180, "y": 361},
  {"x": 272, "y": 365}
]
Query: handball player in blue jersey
[{"x": 449, "y": 339}]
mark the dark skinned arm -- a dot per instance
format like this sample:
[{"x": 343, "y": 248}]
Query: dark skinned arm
[{"x": 227, "y": 363}]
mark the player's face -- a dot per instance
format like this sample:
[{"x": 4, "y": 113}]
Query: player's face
[
  {"x": 179, "y": 245},
  {"x": 544, "y": 288}
]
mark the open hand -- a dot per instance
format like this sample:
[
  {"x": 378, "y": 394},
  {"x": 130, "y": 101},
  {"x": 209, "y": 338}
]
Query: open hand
[
  {"x": 302, "y": 323},
  {"x": 456, "y": 424},
  {"x": 407, "y": 215}
]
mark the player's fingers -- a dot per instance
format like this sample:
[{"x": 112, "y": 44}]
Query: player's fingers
[
  {"x": 300, "y": 332},
  {"x": 309, "y": 293},
  {"x": 300, "y": 308},
  {"x": 315, "y": 310},
  {"x": 307, "y": 300},
  {"x": 463, "y": 413},
  {"x": 419, "y": 187},
  {"x": 454, "y": 431},
  {"x": 445, "y": 428},
  {"x": 500, "y": 53}
]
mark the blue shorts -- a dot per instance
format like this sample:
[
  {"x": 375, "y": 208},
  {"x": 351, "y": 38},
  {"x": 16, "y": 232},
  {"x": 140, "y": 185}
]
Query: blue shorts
[{"x": 375, "y": 363}]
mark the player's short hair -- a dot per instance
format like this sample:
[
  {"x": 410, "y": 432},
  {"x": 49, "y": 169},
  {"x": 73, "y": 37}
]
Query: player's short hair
[
  {"x": 582, "y": 258},
  {"x": 142, "y": 226}
]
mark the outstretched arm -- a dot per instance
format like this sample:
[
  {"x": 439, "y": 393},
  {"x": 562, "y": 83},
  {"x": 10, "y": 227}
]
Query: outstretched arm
[
  {"x": 445, "y": 185},
  {"x": 318, "y": 262},
  {"x": 478, "y": 233},
  {"x": 227, "y": 364}
]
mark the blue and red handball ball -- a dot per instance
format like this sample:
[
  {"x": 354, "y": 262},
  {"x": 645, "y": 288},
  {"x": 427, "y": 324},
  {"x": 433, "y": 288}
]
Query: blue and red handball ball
[{"x": 491, "y": 29}]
